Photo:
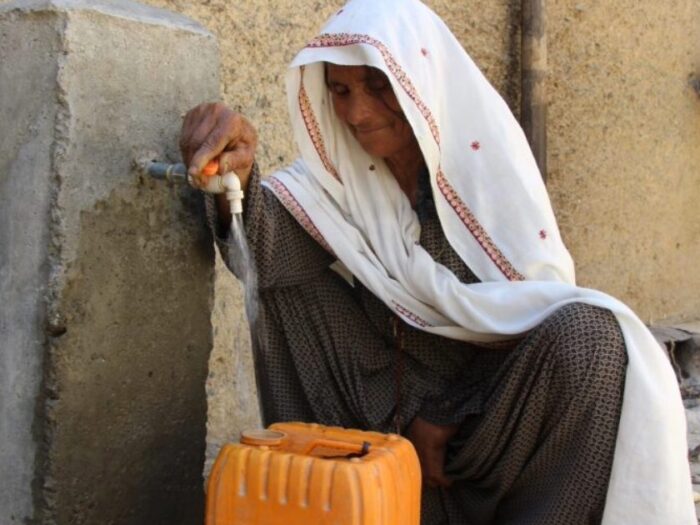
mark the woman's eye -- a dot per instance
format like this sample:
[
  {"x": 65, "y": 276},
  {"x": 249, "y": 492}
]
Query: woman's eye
[
  {"x": 339, "y": 89},
  {"x": 377, "y": 84}
]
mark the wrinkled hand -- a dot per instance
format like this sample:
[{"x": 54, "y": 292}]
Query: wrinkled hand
[
  {"x": 430, "y": 441},
  {"x": 213, "y": 130}
]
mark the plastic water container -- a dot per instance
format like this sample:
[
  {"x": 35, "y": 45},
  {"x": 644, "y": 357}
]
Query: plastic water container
[{"x": 298, "y": 473}]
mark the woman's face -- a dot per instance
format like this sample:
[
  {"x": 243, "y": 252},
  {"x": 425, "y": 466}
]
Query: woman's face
[{"x": 363, "y": 99}]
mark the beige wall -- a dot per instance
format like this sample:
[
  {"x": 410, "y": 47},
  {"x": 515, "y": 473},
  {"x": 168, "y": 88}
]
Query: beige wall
[{"x": 625, "y": 148}]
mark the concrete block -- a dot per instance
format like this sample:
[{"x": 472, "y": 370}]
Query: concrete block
[{"x": 106, "y": 278}]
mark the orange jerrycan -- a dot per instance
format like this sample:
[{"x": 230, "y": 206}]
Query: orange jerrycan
[{"x": 299, "y": 473}]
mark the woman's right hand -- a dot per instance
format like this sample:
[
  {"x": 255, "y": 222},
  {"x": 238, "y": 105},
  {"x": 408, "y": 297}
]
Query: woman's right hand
[
  {"x": 430, "y": 441},
  {"x": 213, "y": 130}
]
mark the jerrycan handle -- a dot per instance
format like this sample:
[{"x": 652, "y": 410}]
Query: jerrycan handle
[{"x": 331, "y": 448}]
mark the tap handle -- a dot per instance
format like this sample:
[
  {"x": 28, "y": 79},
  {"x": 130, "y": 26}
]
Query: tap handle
[{"x": 212, "y": 168}]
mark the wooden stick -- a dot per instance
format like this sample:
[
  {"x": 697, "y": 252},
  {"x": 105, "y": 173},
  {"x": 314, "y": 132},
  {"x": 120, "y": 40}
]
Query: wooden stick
[{"x": 533, "y": 110}]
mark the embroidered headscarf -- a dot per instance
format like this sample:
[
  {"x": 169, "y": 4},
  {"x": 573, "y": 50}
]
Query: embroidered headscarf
[{"x": 495, "y": 212}]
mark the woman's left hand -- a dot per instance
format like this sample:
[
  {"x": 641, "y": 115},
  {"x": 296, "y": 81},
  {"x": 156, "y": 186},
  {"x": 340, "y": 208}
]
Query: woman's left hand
[{"x": 430, "y": 441}]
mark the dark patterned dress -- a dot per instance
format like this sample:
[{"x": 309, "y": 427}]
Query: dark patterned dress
[{"x": 538, "y": 419}]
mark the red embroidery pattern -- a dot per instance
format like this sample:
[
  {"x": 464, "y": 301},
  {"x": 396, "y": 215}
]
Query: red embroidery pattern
[
  {"x": 348, "y": 39},
  {"x": 476, "y": 145},
  {"x": 424, "y": 51},
  {"x": 543, "y": 234},
  {"x": 298, "y": 212},
  {"x": 314, "y": 130},
  {"x": 477, "y": 230},
  {"x": 405, "y": 312}
]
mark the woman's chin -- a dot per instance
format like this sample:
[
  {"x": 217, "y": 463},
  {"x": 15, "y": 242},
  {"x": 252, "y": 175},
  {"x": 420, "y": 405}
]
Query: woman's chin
[
  {"x": 375, "y": 149},
  {"x": 385, "y": 142}
]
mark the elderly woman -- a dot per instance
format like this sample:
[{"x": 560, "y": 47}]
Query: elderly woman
[{"x": 412, "y": 279}]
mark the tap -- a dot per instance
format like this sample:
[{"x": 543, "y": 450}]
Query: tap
[{"x": 228, "y": 183}]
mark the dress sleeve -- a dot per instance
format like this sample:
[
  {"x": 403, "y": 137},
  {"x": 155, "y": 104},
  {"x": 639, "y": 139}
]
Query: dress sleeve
[{"x": 284, "y": 254}]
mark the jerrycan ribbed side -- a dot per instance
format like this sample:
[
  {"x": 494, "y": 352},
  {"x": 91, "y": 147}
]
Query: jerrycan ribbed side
[{"x": 299, "y": 473}]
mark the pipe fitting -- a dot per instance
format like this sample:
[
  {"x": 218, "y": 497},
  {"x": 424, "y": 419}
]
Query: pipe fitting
[
  {"x": 214, "y": 184},
  {"x": 229, "y": 183},
  {"x": 234, "y": 193}
]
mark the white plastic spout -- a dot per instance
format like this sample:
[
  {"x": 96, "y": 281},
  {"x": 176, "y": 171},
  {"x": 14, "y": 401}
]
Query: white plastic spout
[
  {"x": 234, "y": 193},
  {"x": 229, "y": 184}
]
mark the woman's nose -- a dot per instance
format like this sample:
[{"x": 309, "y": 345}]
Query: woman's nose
[{"x": 359, "y": 110}]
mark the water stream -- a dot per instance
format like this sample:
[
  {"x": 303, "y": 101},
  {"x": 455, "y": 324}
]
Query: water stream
[{"x": 244, "y": 268}]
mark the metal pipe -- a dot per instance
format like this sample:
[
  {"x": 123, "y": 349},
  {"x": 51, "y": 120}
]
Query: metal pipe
[
  {"x": 165, "y": 171},
  {"x": 533, "y": 109},
  {"x": 228, "y": 183}
]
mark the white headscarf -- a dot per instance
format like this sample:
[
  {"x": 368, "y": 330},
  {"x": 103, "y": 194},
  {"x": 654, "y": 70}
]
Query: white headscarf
[{"x": 495, "y": 213}]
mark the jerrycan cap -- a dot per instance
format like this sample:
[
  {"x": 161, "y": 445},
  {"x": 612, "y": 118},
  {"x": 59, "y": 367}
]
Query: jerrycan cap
[{"x": 262, "y": 437}]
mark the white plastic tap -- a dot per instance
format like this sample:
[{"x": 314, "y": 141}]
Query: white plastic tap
[{"x": 229, "y": 183}]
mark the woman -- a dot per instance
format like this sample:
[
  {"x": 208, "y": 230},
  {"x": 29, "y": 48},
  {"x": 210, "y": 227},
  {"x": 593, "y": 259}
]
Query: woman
[{"x": 458, "y": 322}]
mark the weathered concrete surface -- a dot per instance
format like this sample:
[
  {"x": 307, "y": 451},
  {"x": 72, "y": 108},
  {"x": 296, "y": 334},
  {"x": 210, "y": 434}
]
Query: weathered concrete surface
[
  {"x": 624, "y": 140},
  {"x": 120, "y": 268},
  {"x": 27, "y": 102}
]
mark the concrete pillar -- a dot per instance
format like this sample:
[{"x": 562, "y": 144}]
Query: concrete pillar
[{"x": 105, "y": 278}]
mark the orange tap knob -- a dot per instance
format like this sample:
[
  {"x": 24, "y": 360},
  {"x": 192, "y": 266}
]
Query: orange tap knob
[{"x": 211, "y": 169}]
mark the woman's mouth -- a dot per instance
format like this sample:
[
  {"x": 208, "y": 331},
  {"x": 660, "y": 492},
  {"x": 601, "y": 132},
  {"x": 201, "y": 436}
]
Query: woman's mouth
[{"x": 368, "y": 130}]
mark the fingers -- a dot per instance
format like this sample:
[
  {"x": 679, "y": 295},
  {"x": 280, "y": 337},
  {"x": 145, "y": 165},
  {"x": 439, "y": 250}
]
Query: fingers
[
  {"x": 240, "y": 160},
  {"x": 430, "y": 442},
  {"x": 214, "y": 130},
  {"x": 432, "y": 463},
  {"x": 198, "y": 122},
  {"x": 212, "y": 138},
  {"x": 432, "y": 460}
]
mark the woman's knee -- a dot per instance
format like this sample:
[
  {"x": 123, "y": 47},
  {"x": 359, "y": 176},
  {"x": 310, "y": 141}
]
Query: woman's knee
[{"x": 586, "y": 344}]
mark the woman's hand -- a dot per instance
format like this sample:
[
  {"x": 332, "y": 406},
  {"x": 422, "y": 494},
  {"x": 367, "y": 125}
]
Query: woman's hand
[
  {"x": 430, "y": 442},
  {"x": 213, "y": 130}
]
